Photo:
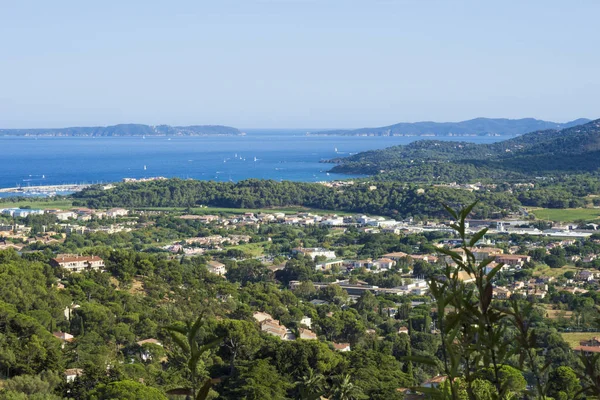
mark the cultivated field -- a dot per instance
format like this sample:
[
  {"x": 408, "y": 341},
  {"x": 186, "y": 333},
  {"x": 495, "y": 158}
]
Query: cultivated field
[{"x": 566, "y": 214}]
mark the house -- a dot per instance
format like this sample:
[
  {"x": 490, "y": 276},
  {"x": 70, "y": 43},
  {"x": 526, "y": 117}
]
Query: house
[
  {"x": 315, "y": 252},
  {"x": 64, "y": 215},
  {"x": 328, "y": 265},
  {"x": 390, "y": 312},
  {"x": 63, "y": 337},
  {"x": 591, "y": 346},
  {"x": 428, "y": 258},
  {"x": 417, "y": 287},
  {"x": 261, "y": 316},
  {"x": 117, "y": 212},
  {"x": 145, "y": 351},
  {"x": 361, "y": 263},
  {"x": 341, "y": 346},
  {"x": 21, "y": 212},
  {"x": 514, "y": 260},
  {"x": 434, "y": 382},
  {"x": 307, "y": 334},
  {"x": 465, "y": 277},
  {"x": 384, "y": 263},
  {"x": 501, "y": 293},
  {"x": 403, "y": 330},
  {"x": 66, "y": 337},
  {"x": 483, "y": 253},
  {"x": 336, "y": 221},
  {"x": 396, "y": 256},
  {"x": 586, "y": 275},
  {"x": 74, "y": 263},
  {"x": 72, "y": 373},
  {"x": 216, "y": 268},
  {"x": 306, "y": 321},
  {"x": 274, "y": 327},
  {"x": 78, "y": 229}
]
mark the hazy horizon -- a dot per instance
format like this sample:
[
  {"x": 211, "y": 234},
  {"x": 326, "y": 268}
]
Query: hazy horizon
[
  {"x": 289, "y": 64},
  {"x": 242, "y": 128}
]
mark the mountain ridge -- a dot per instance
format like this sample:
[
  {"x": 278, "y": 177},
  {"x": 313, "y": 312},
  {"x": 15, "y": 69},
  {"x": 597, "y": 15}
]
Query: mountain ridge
[
  {"x": 127, "y": 130},
  {"x": 574, "y": 149},
  {"x": 476, "y": 126}
]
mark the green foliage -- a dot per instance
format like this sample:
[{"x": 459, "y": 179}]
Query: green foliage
[
  {"x": 574, "y": 149},
  {"x": 390, "y": 198},
  {"x": 126, "y": 390}
]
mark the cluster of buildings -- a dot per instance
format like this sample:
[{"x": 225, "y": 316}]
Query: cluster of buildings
[
  {"x": 272, "y": 326},
  {"x": 21, "y": 212}
]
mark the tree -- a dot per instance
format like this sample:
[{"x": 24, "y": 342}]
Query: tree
[
  {"x": 311, "y": 386},
  {"x": 186, "y": 338},
  {"x": 126, "y": 390},
  {"x": 563, "y": 383},
  {"x": 240, "y": 339},
  {"x": 259, "y": 381},
  {"x": 344, "y": 389},
  {"x": 334, "y": 294}
]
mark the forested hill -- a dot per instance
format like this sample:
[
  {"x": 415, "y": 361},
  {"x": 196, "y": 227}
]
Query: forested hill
[
  {"x": 570, "y": 150},
  {"x": 394, "y": 199},
  {"x": 477, "y": 126},
  {"x": 127, "y": 130}
]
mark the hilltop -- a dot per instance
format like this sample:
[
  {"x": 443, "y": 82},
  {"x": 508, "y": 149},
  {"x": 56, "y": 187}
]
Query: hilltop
[
  {"x": 477, "y": 126},
  {"x": 574, "y": 149},
  {"x": 127, "y": 130}
]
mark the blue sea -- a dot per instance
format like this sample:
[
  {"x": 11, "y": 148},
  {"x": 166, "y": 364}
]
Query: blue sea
[{"x": 264, "y": 154}]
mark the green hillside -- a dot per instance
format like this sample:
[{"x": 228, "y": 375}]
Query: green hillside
[{"x": 575, "y": 149}]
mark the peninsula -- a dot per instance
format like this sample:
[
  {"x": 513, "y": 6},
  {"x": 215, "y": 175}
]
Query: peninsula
[{"x": 128, "y": 130}]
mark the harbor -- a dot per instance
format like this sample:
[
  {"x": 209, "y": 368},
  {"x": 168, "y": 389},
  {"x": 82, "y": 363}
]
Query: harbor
[{"x": 44, "y": 190}]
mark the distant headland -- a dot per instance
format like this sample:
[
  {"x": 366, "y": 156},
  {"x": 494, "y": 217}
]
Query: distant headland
[
  {"x": 473, "y": 127},
  {"x": 128, "y": 130}
]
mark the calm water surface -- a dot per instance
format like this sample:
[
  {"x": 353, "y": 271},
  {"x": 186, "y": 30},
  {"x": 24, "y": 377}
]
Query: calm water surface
[{"x": 274, "y": 154}]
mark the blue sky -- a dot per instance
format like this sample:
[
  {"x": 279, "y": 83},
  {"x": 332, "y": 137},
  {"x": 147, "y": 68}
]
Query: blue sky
[{"x": 296, "y": 63}]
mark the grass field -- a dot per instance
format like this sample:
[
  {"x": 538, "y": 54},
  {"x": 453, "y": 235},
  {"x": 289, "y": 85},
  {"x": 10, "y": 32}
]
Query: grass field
[
  {"x": 567, "y": 214},
  {"x": 51, "y": 204},
  {"x": 555, "y": 272},
  {"x": 251, "y": 249},
  {"x": 556, "y": 314},
  {"x": 573, "y": 338}
]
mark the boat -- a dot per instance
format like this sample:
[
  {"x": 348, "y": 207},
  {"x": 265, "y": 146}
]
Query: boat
[{"x": 144, "y": 167}]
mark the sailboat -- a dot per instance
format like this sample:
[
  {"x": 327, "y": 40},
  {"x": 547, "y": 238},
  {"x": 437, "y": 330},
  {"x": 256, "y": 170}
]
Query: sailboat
[{"x": 144, "y": 167}]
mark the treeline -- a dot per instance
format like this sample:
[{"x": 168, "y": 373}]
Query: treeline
[{"x": 386, "y": 198}]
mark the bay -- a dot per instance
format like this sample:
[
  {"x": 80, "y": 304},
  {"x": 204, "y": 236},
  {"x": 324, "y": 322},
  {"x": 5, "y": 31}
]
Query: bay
[{"x": 263, "y": 154}]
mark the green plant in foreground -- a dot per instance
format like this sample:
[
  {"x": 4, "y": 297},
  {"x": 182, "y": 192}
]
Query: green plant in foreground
[
  {"x": 186, "y": 338},
  {"x": 474, "y": 330}
]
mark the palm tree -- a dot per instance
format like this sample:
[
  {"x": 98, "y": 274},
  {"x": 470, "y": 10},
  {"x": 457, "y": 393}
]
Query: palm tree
[
  {"x": 312, "y": 385},
  {"x": 185, "y": 338},
  {"x": 343, "y": 389}
]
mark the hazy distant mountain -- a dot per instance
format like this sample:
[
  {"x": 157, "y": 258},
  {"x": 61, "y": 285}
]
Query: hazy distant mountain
[
  {"x": 128, "y": 130},
  {"x": 574, "y": 149},
  {"x": 477, "y": 126}
]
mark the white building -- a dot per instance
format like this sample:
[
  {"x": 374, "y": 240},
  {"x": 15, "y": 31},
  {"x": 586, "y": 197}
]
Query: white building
[
  {"x": 74, "y": 263},
  {"x": 315, "y": 252},
  {"x": 216, "y": 267}
]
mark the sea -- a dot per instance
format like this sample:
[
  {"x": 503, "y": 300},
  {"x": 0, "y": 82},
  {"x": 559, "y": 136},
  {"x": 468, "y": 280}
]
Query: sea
[{"x": 264, "y": 154}]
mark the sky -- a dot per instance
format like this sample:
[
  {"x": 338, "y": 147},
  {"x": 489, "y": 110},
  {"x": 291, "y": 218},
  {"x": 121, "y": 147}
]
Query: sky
[{"x": 296, "y": 63}]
